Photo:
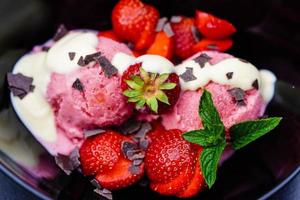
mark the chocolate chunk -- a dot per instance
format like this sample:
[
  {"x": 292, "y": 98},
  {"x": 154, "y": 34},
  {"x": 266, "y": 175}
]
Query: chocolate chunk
[
  {"x": 96, "y": 184},
  {"x": 135, "y": 155},
  {"x": 68, "y": 163},
  {"x": 243, "y": 60},
  {"x": 78, "y": 85},
  {"x": 104, "y": 193},
  {"x": 188, "y": 75},
  {"x": 72, "y": 55},
  {"x": 145, "y": 128},
  {"x": 108, "y": 68},
  {"x": 229, "y": 75},
  {"x": 255, "y": 84},
  {"x": 160, "y": 24},
  {"x": 60, "y": 33},
  {"x": 202, "y": 59},
  {"x": 196, "y": 33},
  {"x": 134, "y": 169},
  {"x": 212, "y": 47},
  {"x": 168, "y": 30},
  {"x": 143, "y": 143},
  {"x": 19, "y": 84},
  {"x": 130, "y": 126},
  {"x": 128, "y": 146},
  {"x": 176, "y": 19},
  {"x": 90, "y": 133},
  {"x": 137, "y": 162},
  {"x": 238, "y": 94},
  {"x": 81, "y": 62},
  {"x": 91, "y": 57}
]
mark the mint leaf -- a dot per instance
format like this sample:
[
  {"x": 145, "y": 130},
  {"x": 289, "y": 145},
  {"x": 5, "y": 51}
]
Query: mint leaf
[
  {"x": 209, "y": 160},
  {"x": 202, "y": 137},
  {"x": 248, "y": 131},
  {"x": 208, "y": 112}
]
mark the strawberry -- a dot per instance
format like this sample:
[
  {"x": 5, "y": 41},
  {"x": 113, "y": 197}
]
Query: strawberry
[
  {"x": 215, "y": 45},
  {"x": 183, "y": 37},
  {"x": 101, "y": 155},
  {"x": 156, "y": 93},
  {"x": 109, "y": 34},
  {"x": 162, "y": 45},
  {"x": 135, "y": 22},
  {"x": 213, "y": 27}
]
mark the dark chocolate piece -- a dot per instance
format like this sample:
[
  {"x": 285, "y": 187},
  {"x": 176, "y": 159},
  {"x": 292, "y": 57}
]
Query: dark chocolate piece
[
  {"x": 202, "y": 59},
  {"x": 196, "y": 33},
  {"x": 72, "y": 55},
  {"x": 81, "y": 62},
  {"x": 145, "y": 128},
  {"x": 137, "y": 162},
  {"x": 78, "y": 85},
  {"x": 135, "y": 155},
  {"x": 238, "y": 94},
  {"x": 60, "y": 33},
  {"x": 243, "y": 60},
  {"x": 160, "y": 24},
  {"x": 229, "y": 75},
  {"x": 255, "y": 84},
  {"x": 128, "y": 146},
  {"x": 143, "y": 143},
  {"x": 176, "y": 19},
  {"x": 188, "y": 75},
  {"x": 108, "y": 68},
  {"x": 91, "y": 57},
  {"x": 168, "y": 30},
  {"x": 68, "y": 163},
  {"x": 104, "y": 193},
  {"x": 134, "y": 169},
  {"x": 90, "y": 133},
  {"x": 130, "y": 126},
  {"x": 19, "y": 84}
]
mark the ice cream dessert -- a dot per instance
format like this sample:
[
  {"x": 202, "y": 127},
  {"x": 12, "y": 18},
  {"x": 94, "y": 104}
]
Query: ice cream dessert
[{"x": 114, "y": 105}]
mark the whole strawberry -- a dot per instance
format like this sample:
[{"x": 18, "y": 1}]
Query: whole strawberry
[
  {"x": 150, "y": 92},
  {"x": 102, "y": 156},
  {"x": 172, "y": 165},
  {"x": 135, "y": 22}
]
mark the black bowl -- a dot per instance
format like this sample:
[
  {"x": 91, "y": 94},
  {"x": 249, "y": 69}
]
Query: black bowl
[{"x": 267, "y": 36}]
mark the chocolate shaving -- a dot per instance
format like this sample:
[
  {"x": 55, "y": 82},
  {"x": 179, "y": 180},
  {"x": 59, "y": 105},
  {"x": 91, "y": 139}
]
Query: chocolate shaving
[
  {"x": 60, "y": 33},
  {"x": 137, "y": 162},
  {"x": 135, "y": 155},
  {"x": 108, "y": 68},
  {"x": 90, "y": 133},
  {"x": 134, "y": 169},
  {"x": 188, "y": 75},
  {"x": 212, "y": 47},
  {"x": 176, "y": 19},
  {"x": 243, "y": 60},
  {"x": 255, "y": 84},
  {"x": 160, "y": 24},
  {"x": 202, "y": 59},
  {"x": 145, "y": 128},
  {"x": 91, "y": 57},
  {"x": 229, "y": 75},
  {"x": 19, "y": 84},
  {"x": 168, "y": 30},
  {"x": 143, "y": 143},
  {"x": 78, "y": 85},
  {"x": 128, "y": 146},
  {"x": 103, "y": 192},
  {"x": 130, "y": 126},
  {"x": 96, "y": 184},
  {"x": 196, "y": 33},
  {"x": 68, "y": 163},
  {"x": 81, "y": 62},
  {"x": 238, "y": 94},
  {"x": 71, "y": 55}
]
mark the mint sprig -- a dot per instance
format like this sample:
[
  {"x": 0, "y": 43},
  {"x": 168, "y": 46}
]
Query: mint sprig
[{"x": 212, "y": 136}]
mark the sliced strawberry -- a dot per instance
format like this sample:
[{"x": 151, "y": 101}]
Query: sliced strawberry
[
  {"x": 183, "y": 37},
  {"x": 213, "y": 27},
  {"x": 162, "y": 45},
  {"x": 100, "y": 153},
  {"x": 109, "y": 34},
  {"x": 120, "y": 176},
  {"x": 215, "y": 45},
  {"x": 135, "y": 22}
]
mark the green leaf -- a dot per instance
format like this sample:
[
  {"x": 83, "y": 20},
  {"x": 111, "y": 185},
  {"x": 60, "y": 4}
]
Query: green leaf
[
  {"x": 203, "y": 138},
  {"x": 134, "y": 99},
  {"x": 152, "y": 103},
  {"x": 140, "y": 103},
  {"x": 137, "y": 80},
  {"x": 133, "y": 85},
  {"x": 144, "y": 75},
  {"x": 167, "y": 86},
  {"x": 209, "y": 160},
  {"x": 248, "y": 131},
  {"x": 161, "y": 79},
  {"x": 208, "y": 112},
  {"x": 132, "y": 93},
  {"x": 161, "y": 96}
]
